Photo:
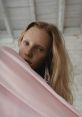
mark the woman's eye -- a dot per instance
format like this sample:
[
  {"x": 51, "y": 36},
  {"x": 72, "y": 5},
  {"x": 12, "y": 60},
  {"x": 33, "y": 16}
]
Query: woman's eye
[
  {"x": 26, "y": 43},
  {"x": 40, "y": 49}
]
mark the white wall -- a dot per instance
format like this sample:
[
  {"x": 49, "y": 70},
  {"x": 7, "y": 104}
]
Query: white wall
[{"x": 74, "y": 46}]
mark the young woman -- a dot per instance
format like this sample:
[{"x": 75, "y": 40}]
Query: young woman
[{"x": 41, "y": 45}]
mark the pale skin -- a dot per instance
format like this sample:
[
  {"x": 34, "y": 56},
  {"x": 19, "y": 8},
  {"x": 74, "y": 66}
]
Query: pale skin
[{"x": 34, "y": 46}]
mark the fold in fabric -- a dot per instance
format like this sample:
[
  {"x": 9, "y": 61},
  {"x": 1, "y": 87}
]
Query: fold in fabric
[{"x": 23, "y": 93}]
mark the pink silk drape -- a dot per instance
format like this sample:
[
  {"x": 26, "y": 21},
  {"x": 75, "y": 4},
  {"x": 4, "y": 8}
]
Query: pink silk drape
[{"x": 23, "y": 93}]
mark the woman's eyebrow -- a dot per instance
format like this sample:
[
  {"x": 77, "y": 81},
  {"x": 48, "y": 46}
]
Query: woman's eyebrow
[
  {"x": 25, "y": 40},
  {"x": 41, "y": 46}
]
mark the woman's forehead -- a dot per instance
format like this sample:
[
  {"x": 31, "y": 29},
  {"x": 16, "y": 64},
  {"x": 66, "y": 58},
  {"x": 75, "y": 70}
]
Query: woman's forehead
[{"x": 37, "y": 35}]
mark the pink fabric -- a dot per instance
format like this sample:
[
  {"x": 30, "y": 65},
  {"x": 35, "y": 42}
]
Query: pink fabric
[{"x": 23, "y": 93}]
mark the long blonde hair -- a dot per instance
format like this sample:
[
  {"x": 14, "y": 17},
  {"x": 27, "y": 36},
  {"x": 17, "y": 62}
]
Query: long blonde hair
[{"x": 58, "y": 65}]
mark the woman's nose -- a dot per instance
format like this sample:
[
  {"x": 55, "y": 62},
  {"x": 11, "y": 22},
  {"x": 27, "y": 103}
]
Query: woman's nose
[{"x": 29, "y": 53}]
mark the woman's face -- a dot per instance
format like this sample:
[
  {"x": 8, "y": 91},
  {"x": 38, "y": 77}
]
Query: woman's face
[{"x": 34, "y": 47}]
